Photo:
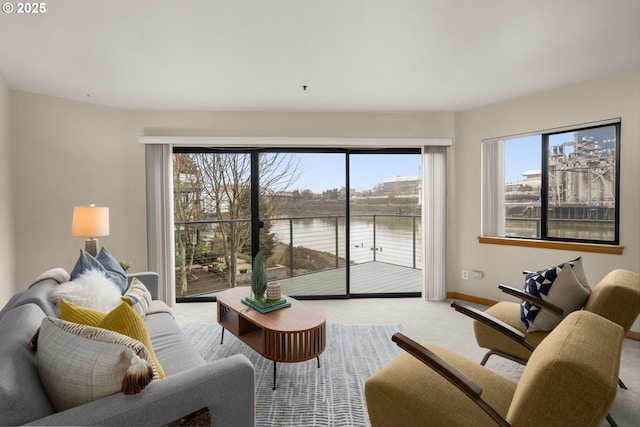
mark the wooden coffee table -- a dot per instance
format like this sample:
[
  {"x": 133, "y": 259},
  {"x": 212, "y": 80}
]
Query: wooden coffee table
[{"x": 289, "y": 335}]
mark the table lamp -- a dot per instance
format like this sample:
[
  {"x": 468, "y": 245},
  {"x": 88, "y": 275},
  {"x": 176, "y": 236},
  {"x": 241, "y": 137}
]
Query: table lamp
[{"x": 91, "y": 222}]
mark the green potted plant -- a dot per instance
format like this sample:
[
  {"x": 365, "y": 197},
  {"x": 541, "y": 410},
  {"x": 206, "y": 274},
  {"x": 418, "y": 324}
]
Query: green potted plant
[{"x": 259, "y": 277}]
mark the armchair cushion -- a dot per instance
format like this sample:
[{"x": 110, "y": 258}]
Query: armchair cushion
[
  {"x": 564, "y": 285},
  {"x": 408, "y": 393}
]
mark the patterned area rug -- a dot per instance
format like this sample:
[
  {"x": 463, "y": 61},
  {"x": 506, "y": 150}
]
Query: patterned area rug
[{"x": 305, "y": 395}]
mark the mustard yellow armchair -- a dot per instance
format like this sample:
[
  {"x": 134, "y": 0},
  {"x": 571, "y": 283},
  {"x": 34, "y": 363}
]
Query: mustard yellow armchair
[
  {"x": 570, "y": 380},
  {"x": 499, "y": 329}
]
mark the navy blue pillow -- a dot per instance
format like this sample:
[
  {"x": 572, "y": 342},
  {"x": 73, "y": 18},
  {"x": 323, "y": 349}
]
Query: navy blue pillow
[
  {"x": 104, "y": 262},
  {"x": 536, "y": 284}
]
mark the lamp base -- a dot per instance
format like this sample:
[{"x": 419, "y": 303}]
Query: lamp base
[{"x": 91, "y": 246}]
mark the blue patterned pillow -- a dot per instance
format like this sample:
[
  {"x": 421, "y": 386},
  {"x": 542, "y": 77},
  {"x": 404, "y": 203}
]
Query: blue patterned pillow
[
  {"x": 104, "y": 262},
  {"x": 564, "y": 285}
]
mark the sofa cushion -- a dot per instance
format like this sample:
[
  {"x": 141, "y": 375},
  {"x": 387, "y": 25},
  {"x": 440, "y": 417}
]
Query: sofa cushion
[
  {"x": 564, "y": 285},
  {"x": 78, "y": 363},
  {"x": 138, "y": 297},
  {"x": 91, "y": 289},
  {"x": 104, "y": 262},
  {"x": 22, "y": 398},
  {"x": 123, "y": 320},
  {"x": 172, "y": 347}
]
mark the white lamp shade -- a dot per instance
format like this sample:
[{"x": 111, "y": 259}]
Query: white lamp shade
[{"x": 90, "y": 221}]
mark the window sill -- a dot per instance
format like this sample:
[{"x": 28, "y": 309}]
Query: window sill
[{"x": 546, "y": 244}]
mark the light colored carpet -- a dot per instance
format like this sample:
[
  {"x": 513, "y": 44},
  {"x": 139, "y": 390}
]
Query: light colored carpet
[
  {"x": 434, "y": 322},
  {"x": 305, "y": 395}
]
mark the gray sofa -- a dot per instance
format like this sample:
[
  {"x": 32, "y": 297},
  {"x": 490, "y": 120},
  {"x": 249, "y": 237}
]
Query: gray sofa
[{"x": 226, "y": 387}]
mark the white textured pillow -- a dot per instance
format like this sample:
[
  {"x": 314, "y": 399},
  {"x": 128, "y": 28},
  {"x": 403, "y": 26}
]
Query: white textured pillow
[
  {"x": 92, "y": 289},
  {"x": 78, "y": 364}
]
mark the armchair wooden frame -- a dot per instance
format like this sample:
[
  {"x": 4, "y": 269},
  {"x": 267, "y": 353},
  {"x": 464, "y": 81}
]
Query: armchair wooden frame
[{"x": 450, "y": 373}]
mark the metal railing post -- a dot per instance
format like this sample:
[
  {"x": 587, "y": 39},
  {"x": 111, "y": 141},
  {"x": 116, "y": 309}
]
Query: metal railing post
[
  {"x": 290, "y": 247},
  {"x": 375, "y": 246},
  {"x": 337, "y": 244},
  {"x": 414, "y": 240},
  {"x": 232, "y": 276}
]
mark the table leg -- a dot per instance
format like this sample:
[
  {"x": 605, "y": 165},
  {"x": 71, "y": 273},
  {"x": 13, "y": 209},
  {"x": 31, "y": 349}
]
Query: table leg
[
  {"x": 222, "y": 336},
  {"x": 318, "y": 357},
  {"x": 274, "y": 374}
]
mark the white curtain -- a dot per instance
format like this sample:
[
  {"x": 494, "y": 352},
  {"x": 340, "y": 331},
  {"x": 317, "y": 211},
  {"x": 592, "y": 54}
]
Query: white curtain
[
  {"x": 493, "y": 214},
  {"x": 434, "y": 221},
  {"x": 160, "y": 237}
]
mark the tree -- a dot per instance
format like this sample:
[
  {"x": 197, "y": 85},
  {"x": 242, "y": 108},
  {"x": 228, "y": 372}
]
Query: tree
[
  {"x": 187, "y": 207},
  {"x": 224, "y": 181}
]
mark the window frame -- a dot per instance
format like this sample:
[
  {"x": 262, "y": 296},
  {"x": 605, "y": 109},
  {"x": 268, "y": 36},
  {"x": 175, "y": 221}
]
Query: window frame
[{"x": 553, "y": 242}]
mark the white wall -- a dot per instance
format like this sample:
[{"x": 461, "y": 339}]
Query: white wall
[
  {"x": 615, "y": 96},
  {"x": 7, "y": 251}
]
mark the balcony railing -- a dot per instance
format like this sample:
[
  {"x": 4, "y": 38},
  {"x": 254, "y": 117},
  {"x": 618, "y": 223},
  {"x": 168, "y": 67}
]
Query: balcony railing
[{"x": 209, "y": 256}]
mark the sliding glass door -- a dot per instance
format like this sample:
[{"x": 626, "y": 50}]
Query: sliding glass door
[
  {"x": 304, "y": 217},
  {"x": 336, "y": 223},
  {"x": 385, "y": 223}
]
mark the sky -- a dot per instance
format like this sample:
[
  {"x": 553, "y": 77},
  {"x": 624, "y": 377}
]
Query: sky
[
  {"x": 521, "y": 155},
  {"x": 325, "y": 171}
]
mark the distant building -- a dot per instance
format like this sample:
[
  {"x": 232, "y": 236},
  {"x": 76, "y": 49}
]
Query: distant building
[
  {"x": 582, "y": 171},
  {"x": 402, "y": 185}
]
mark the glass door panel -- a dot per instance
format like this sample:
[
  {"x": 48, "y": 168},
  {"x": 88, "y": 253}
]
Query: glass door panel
[
  {"x": 385, "y": 223},
  {"x": 302, "y": 206},
  {"x": 212, "y": 220}
]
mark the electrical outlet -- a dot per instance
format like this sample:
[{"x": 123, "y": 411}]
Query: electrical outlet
[
  {"x": 477, "y": 274},
  {"x": 465, "y": 275}
]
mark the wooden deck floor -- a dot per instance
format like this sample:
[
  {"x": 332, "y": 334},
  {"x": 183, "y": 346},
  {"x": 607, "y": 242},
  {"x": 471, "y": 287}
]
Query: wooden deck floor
[
  {"x": 367, "y": 278},
  {"x": 371, "y": 277}
]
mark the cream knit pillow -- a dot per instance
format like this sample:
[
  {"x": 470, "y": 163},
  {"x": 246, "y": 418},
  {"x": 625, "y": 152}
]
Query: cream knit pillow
[{"x": 78, "y": 364}]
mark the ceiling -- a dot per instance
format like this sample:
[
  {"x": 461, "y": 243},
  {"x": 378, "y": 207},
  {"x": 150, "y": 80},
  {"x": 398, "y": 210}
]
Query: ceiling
[{"x": 352, "y": 55}]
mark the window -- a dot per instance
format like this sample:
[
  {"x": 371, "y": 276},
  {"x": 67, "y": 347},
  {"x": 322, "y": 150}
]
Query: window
[{"x": 559, "y": 185}]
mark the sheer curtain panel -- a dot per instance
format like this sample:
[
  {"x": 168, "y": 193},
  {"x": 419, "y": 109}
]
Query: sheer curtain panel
[
  {"x": 434, "y": 220},
  {"x": 160, "y": 238}
]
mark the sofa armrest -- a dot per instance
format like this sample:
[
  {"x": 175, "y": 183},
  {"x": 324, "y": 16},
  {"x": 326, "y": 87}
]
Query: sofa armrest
[
  {"x": 150, "y": 280},
  {"x": 226, "y": 387}
]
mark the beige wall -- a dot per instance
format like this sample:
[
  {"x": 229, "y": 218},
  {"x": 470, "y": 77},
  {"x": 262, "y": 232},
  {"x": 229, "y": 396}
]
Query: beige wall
[
  {"x": 612, "y": 97},
  {"x": 7, "y": 250}
]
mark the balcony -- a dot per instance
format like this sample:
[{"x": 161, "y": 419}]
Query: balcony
[{"x": 307, "y": 255}]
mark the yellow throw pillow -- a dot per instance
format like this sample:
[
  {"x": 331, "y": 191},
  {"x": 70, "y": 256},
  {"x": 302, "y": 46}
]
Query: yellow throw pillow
[
  {"x": 76, "y": 314},
  {"x": 123, "y": 320}
]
